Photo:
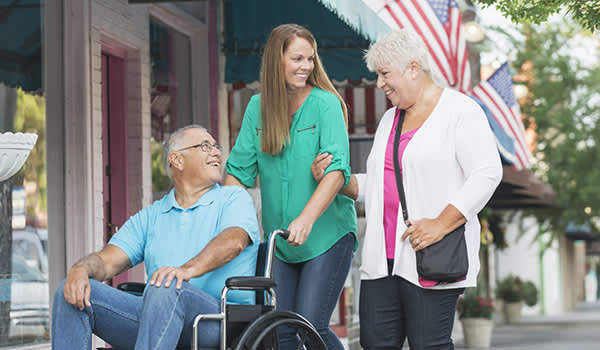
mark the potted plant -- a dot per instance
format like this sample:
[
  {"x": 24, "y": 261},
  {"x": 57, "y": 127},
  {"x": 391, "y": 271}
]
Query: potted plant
[
  {"x": 514, "y": 292},
  {"x": 475, "y": 313}
]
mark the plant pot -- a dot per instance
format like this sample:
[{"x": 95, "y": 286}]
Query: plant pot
[
  {"x": 499, "y": 312},
  {"x": 512, "y": 312},
  {"x": 477, "y": 332}
]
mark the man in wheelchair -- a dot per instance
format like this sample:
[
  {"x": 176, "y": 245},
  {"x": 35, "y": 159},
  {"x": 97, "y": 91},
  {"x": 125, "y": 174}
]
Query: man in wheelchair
[{"x": 191, "y": 241}]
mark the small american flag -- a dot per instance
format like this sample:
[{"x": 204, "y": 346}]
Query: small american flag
[
  {"x": 497, "y": 95},
  {"x": 438, "y": 23}
]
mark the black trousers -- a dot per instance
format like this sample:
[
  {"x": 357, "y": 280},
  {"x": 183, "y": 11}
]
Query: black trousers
[{"x": 393, "y": 309}]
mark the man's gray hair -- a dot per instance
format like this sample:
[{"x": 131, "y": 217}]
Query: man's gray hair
[
  {"x": 174, "y": 142},
  {"x": 396, "y": 50}
]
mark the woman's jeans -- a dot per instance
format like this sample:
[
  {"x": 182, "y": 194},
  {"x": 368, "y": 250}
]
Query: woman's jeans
[
  {"x": 161, "y": 319},
  {"x": 312, "y": 289},
  {"x": 392, "y": 309}
]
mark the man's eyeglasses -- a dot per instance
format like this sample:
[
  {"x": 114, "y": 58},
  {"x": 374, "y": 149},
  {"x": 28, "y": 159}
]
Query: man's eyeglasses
[{"x": 204, "y": 146}]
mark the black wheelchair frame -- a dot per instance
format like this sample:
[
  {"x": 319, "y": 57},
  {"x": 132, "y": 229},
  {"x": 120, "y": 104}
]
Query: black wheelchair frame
[{"x": 258, "y": 323}]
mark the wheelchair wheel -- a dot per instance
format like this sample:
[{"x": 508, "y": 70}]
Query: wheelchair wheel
[{"x": 262, "y": 333}]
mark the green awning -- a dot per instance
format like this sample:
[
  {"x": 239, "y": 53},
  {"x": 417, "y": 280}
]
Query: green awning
[
  {"x": 20, "y": 44},
  {"x": 248, "y": 24}
]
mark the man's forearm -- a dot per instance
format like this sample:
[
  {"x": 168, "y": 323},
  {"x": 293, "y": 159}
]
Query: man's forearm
[
  {"x": 218, "y": 252},
  {"x": 93, "y": 266}
]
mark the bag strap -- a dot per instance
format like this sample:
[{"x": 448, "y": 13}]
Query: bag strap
[{"x": 397, "y": 172}]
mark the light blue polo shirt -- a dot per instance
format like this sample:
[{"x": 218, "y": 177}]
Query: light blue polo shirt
[{"x": 165, "y": 234}]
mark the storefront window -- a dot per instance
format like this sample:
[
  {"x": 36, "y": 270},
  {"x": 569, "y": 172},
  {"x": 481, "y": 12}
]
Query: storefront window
[
  {"x": 24, "y": 296},
  {"x": 171, "y": 95}
]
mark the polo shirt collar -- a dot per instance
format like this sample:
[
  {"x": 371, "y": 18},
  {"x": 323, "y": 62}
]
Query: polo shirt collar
[{"x": 169, "y": 202}]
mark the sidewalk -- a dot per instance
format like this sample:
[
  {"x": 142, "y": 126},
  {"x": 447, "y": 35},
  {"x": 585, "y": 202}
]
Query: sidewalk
[{"x": 579, "y": 329}]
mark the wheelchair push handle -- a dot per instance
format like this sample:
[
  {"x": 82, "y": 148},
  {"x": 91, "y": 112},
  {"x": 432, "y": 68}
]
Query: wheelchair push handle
[
  {"x": 271, "y": 250},
  {"x": 283, "y": 233}
]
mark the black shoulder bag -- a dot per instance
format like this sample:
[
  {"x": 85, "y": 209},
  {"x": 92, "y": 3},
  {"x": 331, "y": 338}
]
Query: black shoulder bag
[{"x": 445, "y": 261}]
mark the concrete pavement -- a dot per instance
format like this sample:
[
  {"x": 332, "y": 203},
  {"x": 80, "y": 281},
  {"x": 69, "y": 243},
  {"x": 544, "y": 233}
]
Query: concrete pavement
[{"x": 579, "y": 329}]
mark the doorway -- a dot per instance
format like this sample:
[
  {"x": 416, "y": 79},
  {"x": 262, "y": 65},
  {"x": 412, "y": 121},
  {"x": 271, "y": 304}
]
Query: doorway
[{"x": 114, "y": 146}]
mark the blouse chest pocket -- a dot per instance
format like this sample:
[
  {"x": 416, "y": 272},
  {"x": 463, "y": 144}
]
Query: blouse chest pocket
[{"x": 305, "y": 141}]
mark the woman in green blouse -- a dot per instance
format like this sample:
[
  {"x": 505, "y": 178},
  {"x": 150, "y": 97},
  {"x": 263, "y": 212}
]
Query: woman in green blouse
[{"x": 298, "y": 115}]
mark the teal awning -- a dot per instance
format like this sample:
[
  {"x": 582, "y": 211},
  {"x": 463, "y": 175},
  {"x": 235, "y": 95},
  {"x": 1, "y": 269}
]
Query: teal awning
[
  {"x": 248, "y": 24},
  {"x": 20, "y": 44}
]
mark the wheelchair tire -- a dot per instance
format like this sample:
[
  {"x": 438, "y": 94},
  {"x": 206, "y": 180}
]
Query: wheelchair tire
[{"x": 261, "y": 334}]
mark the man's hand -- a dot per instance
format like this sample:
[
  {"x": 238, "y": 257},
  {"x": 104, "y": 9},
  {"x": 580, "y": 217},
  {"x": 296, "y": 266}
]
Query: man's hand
[
  {"x": 166, "y": 274},
  {"x": 299, "y": 230},
  {"x": 77, "y": 288},
  {"x": 319, "y": 165}
]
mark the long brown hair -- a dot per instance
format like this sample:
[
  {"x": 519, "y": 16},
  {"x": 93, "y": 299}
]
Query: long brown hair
[{"x": 273, "y": 93}]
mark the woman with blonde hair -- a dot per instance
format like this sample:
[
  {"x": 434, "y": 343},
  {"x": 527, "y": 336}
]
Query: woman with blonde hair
[{"x": 298, "y": 115}]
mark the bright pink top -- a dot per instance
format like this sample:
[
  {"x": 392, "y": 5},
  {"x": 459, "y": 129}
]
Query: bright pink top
[{"x": 391, "y": 200}]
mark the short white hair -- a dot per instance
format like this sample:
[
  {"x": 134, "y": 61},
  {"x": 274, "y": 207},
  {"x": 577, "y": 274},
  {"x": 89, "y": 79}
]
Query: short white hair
[
  {"x": 396, "y": 50},
  {"x": 174, "y": 141}
]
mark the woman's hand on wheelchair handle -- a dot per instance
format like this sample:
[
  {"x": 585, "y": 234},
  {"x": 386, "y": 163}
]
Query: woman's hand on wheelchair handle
[
  {"x": 319, "y": 165},
  {"x": 299, "y": 230},
  {"x": 166, "y": 274}
]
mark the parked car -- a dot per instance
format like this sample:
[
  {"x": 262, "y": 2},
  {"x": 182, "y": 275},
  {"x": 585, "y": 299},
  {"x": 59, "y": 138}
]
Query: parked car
[
  {"x": 29, "y": 301},
  {"x": 29, "y": 244},
  {"x": 26, "y": 288}
]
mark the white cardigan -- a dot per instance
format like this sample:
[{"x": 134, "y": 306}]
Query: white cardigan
[{"x": 451, "y": 159}]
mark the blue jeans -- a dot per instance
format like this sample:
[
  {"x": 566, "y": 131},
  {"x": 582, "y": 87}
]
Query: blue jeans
[
  {"x": 312, "y": 289},
  {"x": 160, "y": 319},
  {"x": 393, "y": 309}
]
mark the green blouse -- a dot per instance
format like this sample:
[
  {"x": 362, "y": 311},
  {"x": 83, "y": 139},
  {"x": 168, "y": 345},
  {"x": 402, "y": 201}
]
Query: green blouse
[{"x": 286, "y": 181}]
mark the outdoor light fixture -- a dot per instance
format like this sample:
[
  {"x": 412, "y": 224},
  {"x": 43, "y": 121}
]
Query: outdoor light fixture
[
  {"x": 520, "y": 90},
  {"x": 473, "y": 32},
  {"x": 471, "y": 28}
]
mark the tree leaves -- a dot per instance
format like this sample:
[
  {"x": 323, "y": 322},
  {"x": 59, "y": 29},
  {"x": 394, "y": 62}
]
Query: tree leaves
[
  {"x": 564, "y": 103},
  {"x": 585, "y": 12}
]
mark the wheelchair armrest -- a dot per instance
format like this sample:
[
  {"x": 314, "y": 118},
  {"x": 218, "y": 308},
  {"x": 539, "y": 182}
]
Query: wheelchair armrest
[
  {"x": 135, "y": 288},
  {"x": 250, "y": 282}
]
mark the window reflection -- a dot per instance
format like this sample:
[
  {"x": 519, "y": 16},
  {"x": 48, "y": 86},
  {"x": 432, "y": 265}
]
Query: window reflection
[
  {"x": 24, "y": 296},
  {"x": 171, "y": 95}
]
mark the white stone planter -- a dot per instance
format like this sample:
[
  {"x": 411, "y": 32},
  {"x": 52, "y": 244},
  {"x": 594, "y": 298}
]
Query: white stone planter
[
  {"x": 14, "y": 150},
  {"x": 477, "y": 332},
  {"x": 512, "y": 312}
]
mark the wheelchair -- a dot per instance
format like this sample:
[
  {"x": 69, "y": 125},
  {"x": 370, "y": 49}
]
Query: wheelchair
[{"x": 249, "y": 327}]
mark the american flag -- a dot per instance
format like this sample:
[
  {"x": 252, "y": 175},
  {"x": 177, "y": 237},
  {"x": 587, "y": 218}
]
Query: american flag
[
  {"x": 438, "y": 23},
  {"x": 497, "y": 95}
]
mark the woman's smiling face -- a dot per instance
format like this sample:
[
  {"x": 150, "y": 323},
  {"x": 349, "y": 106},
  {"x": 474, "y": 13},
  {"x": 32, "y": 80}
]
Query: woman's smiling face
[
  {"x": 400, "y": 87},
  {"x": 298, "y": 63}
]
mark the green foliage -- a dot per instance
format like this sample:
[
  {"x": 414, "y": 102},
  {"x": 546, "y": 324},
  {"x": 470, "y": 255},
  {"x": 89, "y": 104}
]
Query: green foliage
[
  {"x": 160, "y": 180},
  {"x": 564, "y": 102},
  {"x": 473, "y": 305},
  {"x": 30, "y": 117},
  {"x": 512, "y": 289},
  {"x": 586, "y": 12},
  {"x": 530, "y": 293}
]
